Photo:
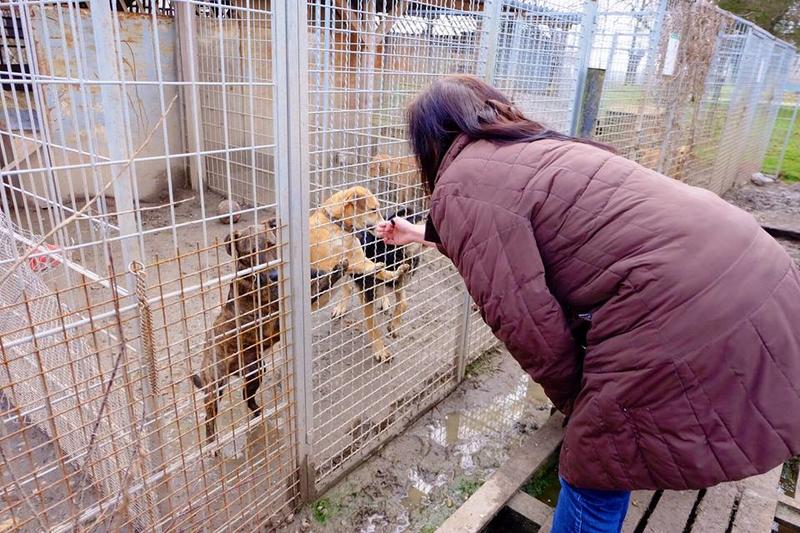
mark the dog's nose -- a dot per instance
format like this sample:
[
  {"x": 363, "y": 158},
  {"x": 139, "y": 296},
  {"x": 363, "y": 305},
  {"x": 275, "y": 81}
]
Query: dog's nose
[{"x": 268, "y": 276}]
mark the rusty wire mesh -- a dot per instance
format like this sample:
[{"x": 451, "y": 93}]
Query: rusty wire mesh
[{"x": 125, "y": 278}]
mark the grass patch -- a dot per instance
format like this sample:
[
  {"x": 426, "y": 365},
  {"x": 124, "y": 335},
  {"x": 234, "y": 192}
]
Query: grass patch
[
  {"x": 467, "y": 487},
  {"x": 789, "y": 476},
  {"x": 790, "y": 170},
  {"x": 323, "y": 509},
  {"x": 544, "y": 484},
  {"x": 484, "y": 363}
]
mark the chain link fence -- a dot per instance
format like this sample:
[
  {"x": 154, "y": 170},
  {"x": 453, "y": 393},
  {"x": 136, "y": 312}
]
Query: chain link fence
[{"x": 197, "y": 330}]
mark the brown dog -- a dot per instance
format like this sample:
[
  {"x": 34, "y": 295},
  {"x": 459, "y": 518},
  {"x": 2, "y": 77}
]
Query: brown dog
[
  {"x": 333, "y": 228},
  {"x": 401, "y": 172},
  {"x": 249, "y": 322}
]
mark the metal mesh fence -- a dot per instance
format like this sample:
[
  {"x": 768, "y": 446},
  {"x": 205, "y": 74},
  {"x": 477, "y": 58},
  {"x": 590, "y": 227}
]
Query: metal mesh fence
[{"x": 198, "y": 329}]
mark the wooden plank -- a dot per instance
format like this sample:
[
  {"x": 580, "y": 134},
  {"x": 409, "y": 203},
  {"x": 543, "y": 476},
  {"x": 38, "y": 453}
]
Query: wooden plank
[
  {"x": 640, "y": 501},
  {"x": 672, "y": 512},
  {"x": 714, "y": 512},
  {"x": 757, "y": 506},
  {"x": 534, "y": 510},
  {"x": 547, "y": 526},
  {"x": 482, "y": 506},
  {"x": 788, "y": 512},
  {"x": 789, "y": 501},
  {"x": 785, "y": 233}
]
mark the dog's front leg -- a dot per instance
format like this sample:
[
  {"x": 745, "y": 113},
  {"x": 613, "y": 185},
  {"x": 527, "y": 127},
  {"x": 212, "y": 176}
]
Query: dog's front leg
[
  {"x": 367, "y": 267},
  {"x": 212, "y": 395},
  {"x": 322, "y": 283},
  {"x": 400, "y": 307},
  {"x": 252, "y": 381},
  {"x": 379, "y": 350},
  {"x": 345, "y": 292}
]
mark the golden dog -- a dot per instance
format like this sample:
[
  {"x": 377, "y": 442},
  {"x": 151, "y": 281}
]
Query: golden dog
[{"x": 333, "y": 229}]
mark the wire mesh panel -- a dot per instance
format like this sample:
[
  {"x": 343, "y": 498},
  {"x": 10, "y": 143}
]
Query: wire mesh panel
[
  {"x": 625, "y": 47},
  {"x": 146, "y": 377},
  {"x": 775, "y": 67},
  {"x": 689, "y": 90},
  {"x": 381, "y": 359},
  {"x": 784, "y": 131},
  {"x": 539, "y": 56}
]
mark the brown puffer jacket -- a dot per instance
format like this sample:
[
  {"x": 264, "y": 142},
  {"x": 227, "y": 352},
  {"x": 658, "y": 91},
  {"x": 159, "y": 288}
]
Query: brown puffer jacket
[{"x": 691, "y": 371}]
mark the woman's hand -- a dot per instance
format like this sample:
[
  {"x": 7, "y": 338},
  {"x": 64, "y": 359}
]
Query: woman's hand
[{"x": 399, "y": 231}]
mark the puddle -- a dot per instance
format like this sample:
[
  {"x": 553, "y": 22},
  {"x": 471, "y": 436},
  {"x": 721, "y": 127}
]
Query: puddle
[
  {"x": 468, "y": 431},
  {"x": 414, "y": 498},
  {"x": 544, "y": 485}
]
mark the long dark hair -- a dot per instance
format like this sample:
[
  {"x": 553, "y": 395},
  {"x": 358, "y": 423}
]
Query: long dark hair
[{"x": 464, "y": 104}]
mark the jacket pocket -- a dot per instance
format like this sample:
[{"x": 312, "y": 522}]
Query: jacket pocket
[
  {"x": 655, "y": 451},
  {"x": 646, "y": 418}
]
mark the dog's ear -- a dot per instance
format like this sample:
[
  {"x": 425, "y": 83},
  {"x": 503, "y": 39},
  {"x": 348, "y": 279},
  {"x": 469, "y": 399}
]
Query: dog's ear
[
  {"x": 230, "y": 247},
  {"x": 357, "y": 198},
  {"x": 270, "y": 235}
]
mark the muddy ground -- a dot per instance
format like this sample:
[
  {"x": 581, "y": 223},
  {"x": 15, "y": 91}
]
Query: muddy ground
[
  {"x": 419, "y": 478},
  {"x": 776, "y": 204}
]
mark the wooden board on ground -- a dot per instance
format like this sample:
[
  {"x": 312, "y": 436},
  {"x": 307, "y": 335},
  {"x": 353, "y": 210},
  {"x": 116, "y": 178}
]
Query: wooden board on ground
[
  {"x": 672, "y": 512},
  {"x": 640, "y": 501},
  {"x": 714, "y": 511},
  {"x": 534, "y": 510},
  {"x": 493, "y": 495},
  {"x": 788, "y": 512},
  {"x": 758, "y": 502}
]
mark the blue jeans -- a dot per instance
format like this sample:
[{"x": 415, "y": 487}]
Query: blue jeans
[{"x": 589, "y": 511}]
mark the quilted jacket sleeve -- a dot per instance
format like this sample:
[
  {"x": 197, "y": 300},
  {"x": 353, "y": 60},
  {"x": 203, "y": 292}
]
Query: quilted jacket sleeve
[{"x": 496, "y": 253}]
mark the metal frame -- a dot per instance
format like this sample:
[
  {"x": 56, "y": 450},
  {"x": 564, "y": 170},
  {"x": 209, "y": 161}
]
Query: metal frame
[
  {"x": 291, "y": 106},
  {"x": 587, "y": 36}
]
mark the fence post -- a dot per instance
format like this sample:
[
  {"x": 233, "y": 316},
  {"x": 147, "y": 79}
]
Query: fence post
[
  {"x": 588, "y": 25},
  {"x": 186, "y": 21},
  {"x": 113, "y": 98},
  {"x": 290, "y": 60},
  {"x": 492, "y": 18},
  {"x": 590, "y": 102},
  {"x": 655, "y": 39}
]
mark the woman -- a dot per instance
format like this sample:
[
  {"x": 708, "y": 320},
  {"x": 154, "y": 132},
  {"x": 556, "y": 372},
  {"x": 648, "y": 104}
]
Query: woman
[{"x": 660, "y": 319}]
